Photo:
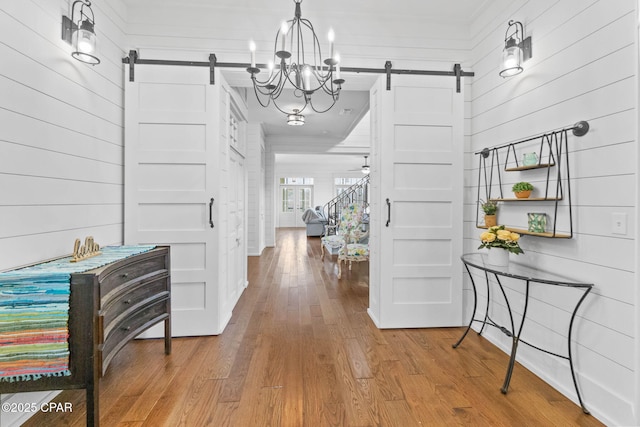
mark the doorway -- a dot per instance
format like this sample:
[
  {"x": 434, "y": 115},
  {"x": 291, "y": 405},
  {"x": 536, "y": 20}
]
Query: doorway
[{"x": 295, "y": 199}]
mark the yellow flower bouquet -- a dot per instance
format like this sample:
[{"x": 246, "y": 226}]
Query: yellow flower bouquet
[{"x": 498, "y": 237}]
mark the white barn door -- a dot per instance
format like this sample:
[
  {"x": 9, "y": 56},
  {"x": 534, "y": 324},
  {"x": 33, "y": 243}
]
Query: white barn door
[
  {"x": 417, "y": 131},
  {"x": 171, "y": 140}
]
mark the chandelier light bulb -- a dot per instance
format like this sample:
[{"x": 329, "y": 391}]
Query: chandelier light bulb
[
  {"x": 331, "y": 36},
  {"x": 284, "y": 28},
  {"x": 252, "y": 49},
  {"x": 306, "y": 78}
]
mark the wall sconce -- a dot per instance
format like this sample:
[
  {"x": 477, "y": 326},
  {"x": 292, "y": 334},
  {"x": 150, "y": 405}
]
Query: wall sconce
[
  {"x": 517, "y": 50},
  {"x": 81, "y": 33}
]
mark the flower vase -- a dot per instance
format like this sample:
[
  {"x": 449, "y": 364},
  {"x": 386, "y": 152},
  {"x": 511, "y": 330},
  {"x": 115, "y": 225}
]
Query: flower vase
[{"x": 498, "y": 257}]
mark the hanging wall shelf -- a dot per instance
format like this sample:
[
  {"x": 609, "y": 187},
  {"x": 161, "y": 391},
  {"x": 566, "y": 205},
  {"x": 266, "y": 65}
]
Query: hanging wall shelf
[{"x": 553, "y": 185}]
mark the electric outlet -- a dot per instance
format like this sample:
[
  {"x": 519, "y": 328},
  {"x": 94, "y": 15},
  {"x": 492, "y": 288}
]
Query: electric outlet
[{"x": 619, "y": 223}]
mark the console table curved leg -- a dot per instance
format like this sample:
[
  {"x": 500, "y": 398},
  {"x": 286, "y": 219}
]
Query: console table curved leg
[
  {"x": 573, "y": 373},
  {"x": 515, "y": 337},
  {"x": 486, "y": 307},
  {"x": 475, "y": 306}
]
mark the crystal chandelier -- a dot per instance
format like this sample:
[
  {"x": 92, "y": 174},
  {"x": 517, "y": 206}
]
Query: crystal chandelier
[{"x": 297, "y": 76}]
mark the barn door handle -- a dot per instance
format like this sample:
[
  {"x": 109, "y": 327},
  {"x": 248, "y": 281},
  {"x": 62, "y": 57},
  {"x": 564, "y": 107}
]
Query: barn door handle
[
  {"x": 388, "y": 212},
  {"x": 211, "y": 212}
]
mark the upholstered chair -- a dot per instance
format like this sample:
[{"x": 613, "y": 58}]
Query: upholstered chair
[{"x": 347, "y": 237}]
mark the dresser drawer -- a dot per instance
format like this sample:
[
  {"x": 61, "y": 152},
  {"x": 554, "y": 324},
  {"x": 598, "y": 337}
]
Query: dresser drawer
[
  {"x": 131, "y": 326},
  {"x": 129, "y": 272},
  {"x": 139, "y": 295}
]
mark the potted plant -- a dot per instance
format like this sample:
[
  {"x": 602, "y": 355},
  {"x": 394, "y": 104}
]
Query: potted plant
[
  {"x": 489, "y": 208},
  {"x": 500, "y": 243},
  {"x": 522, "y": 190}
]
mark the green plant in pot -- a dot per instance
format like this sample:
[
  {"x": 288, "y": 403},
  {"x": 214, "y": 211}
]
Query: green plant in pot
[
  {"x": 522, "y": 190},
  {"x": 489, "y": 208}
]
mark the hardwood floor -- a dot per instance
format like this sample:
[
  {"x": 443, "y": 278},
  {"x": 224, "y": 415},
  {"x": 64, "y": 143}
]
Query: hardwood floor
[{"x": 301, "y": 351}]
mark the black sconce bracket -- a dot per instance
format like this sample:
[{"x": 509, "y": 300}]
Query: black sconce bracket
[
  {"x": 527, "y": 52},
  {"x": 68, "y": 27}
]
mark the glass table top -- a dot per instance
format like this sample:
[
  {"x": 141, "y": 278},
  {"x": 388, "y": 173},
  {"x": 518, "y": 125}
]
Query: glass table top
[{"x": 520, "y": 271}]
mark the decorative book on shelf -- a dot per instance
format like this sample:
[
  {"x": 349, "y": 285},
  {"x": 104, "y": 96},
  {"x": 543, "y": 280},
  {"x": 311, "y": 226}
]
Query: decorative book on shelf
[{"x": 547, "y": 167}]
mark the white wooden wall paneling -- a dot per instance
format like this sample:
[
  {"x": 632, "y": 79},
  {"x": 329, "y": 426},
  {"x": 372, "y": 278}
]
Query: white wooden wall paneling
[
  {"x": 58, "y": 85},
  {"x": 39, "y": 22},
  {"x": 30, "y": 132},
  {"x": 61, "y": 141},
  {"x": 409, "y": 40},
  {"x": 44, "y": 191},
  {"x": 23, "y": 160},
  {"x": 30, "y": 102},
  {"x": 563, "y": 49},
  {"x": 597, "y": 75},
  {"x": 25, "y": 220},
  {"x": 571, "y": 77}
]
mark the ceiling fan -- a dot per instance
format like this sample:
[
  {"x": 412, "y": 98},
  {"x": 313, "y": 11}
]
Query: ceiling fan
[{"x": 365, "y": 168}]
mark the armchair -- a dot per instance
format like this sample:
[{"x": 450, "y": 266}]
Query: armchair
[{"x": 346, "y": 241}]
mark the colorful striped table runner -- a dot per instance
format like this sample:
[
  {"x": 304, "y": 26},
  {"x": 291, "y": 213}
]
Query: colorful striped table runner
[{"x": 34, "y": 314}]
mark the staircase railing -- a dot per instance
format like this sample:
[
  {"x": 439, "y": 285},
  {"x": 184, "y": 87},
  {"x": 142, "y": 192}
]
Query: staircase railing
[{"x": 357, "y": 193}]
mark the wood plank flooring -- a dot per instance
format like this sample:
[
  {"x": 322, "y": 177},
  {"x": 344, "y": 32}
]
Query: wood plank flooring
[{"x": 301, "y": 351}]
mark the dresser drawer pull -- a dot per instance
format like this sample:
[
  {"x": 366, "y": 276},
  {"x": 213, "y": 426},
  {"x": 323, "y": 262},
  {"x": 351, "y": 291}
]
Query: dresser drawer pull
[
  {"x": 125, "y": 275},
  {"x": 128, "y": 301},
  {"x": 126, "y": 328}
]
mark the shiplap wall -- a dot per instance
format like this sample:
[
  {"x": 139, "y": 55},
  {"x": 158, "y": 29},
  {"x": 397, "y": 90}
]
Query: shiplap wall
[
  {"x": 61, "y": 135},
  {"x": 61, "y": 139},
  {"x": 583, "y": 68}
]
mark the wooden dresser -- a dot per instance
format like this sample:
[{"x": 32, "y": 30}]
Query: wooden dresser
[{"x": 108, "y": 307}]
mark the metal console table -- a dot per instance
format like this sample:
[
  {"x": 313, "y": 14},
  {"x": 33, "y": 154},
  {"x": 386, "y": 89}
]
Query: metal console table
[{"x": 528, "y": 275}]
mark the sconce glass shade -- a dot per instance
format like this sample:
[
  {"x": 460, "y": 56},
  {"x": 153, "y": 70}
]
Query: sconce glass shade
[
  {"x": 511, "y": 59},
  {"x": 84, "y": 44}
]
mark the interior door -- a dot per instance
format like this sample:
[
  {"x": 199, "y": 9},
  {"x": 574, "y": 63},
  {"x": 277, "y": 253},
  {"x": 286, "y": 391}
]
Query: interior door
[
  {"x": 417, "y": 130},
  {"x": 170, "y": 152},
  {"x": 294, "y": 201}
]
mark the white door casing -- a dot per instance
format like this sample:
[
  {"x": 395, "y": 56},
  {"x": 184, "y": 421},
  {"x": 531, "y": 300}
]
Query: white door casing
[
  {"x": 174, "y": 168},
  {"x": 417, "y": 149}
]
